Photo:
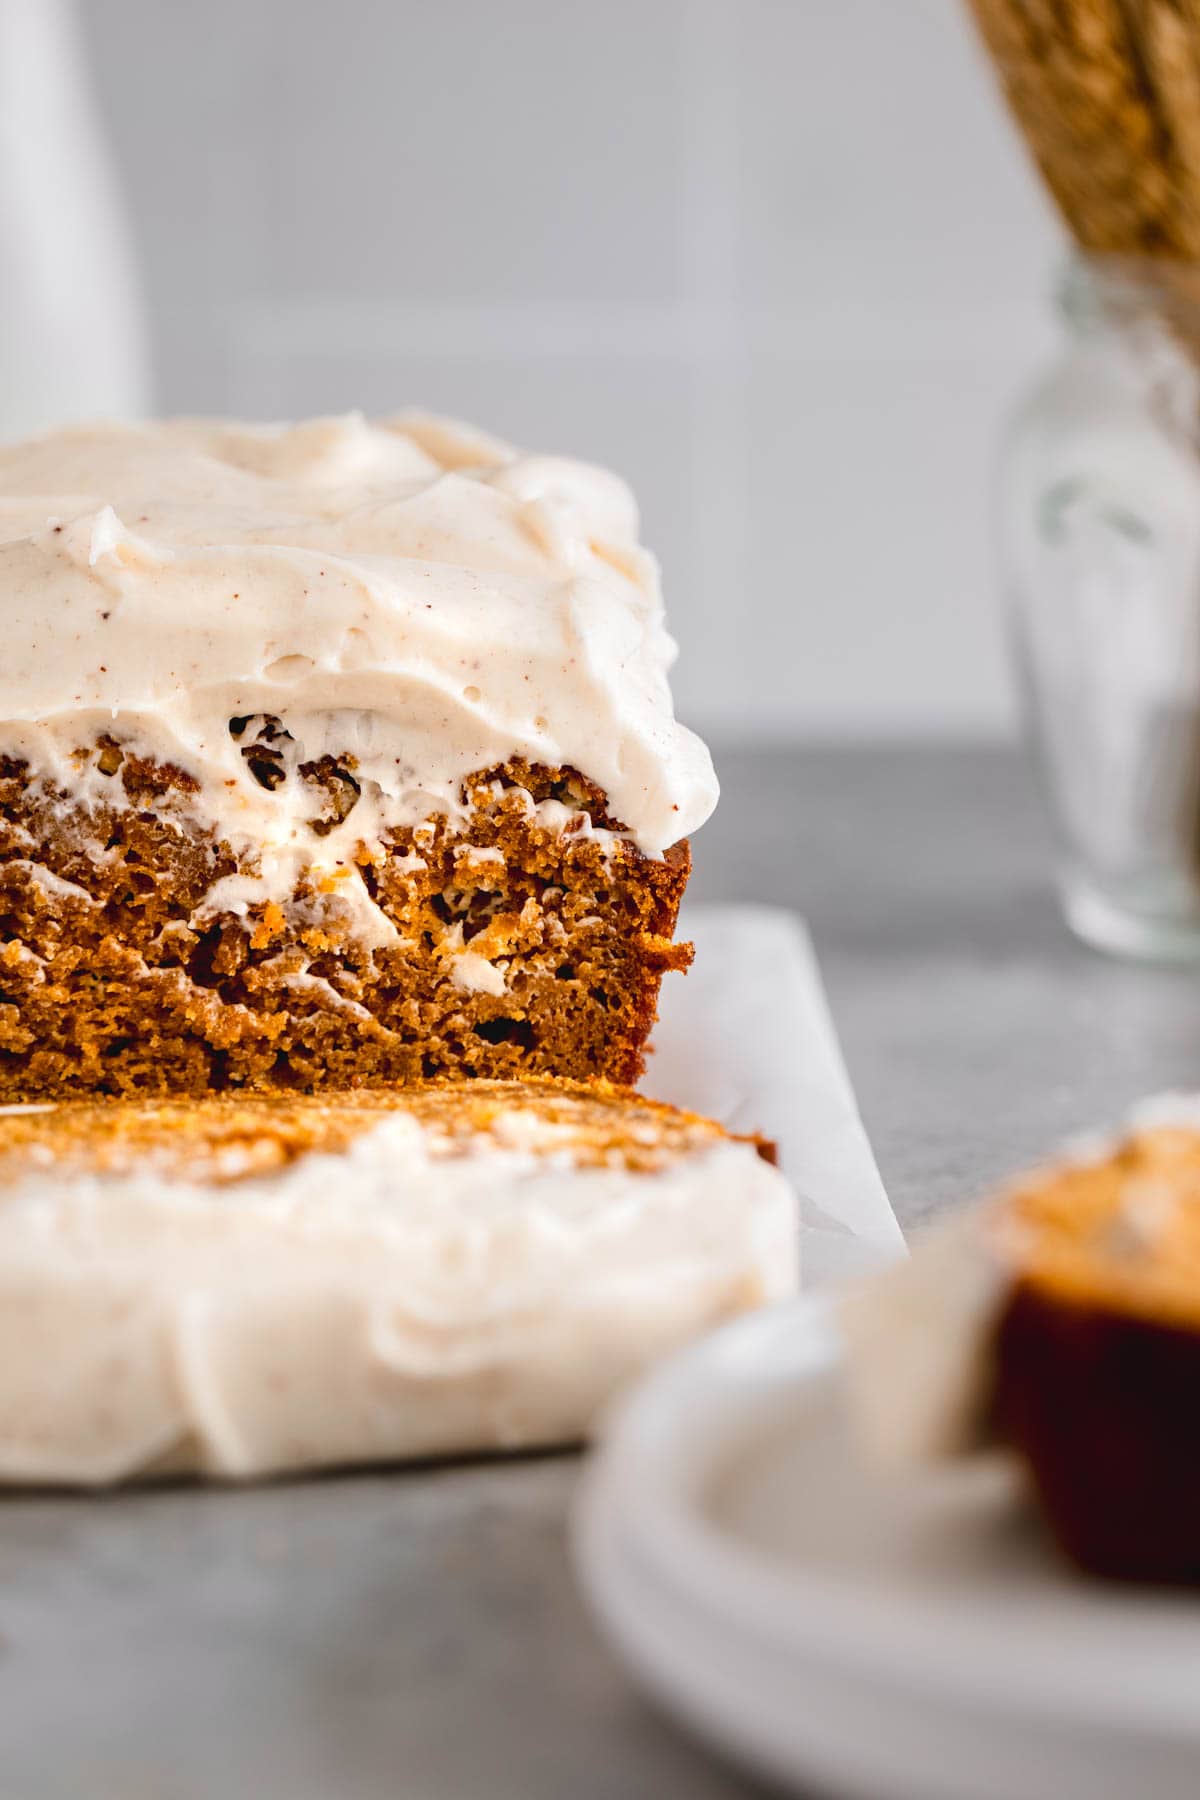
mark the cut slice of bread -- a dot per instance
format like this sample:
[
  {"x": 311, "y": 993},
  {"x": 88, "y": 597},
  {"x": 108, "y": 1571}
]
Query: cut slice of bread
[
  {"x": 1097, "y": 1348},
  {"x": 237, "y": 1287},
  {"x": 1063, "y": 1320}
]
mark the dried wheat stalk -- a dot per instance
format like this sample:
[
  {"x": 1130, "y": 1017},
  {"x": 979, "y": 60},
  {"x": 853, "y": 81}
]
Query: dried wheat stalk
[{"x": 1107, "y": 93}]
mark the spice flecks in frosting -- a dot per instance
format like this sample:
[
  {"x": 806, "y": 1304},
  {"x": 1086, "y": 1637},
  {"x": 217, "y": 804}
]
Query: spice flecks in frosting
[{"x": 408, "y": 592}]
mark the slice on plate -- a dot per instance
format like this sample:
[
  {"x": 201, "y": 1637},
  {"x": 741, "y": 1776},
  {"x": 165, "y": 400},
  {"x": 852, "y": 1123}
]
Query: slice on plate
[
  {"x": 1064, "y": 1320},
  {"x": 238, "y": 1286}
]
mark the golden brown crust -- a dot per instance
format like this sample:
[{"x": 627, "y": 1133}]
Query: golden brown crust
[
  {"x": 117, "y": 979},
  {"x": 225, "y": 1138},
  {"x": 1098, "y": 1354},
  {"x": 1120, "y": 1232}
]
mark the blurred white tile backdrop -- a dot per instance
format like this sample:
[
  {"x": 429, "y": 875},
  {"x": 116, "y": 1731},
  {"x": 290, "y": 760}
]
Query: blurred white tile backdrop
[{"x": 779, "y": 261}]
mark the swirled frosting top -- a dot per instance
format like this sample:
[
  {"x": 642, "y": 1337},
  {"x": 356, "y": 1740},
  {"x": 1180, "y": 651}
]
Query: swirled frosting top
[{"x": 408, "y": 591}]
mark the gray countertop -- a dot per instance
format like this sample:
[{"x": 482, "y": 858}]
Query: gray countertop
[{"x": 418, "y": 1634}]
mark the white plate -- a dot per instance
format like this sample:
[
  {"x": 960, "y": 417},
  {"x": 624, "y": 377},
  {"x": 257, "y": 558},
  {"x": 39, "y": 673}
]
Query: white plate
[{"x": 911, "y": 1638}]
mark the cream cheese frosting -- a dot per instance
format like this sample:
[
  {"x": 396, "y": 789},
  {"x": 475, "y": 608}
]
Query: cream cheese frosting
[
  {"x": 415, "y": 1293},
  {"x": 406, "y": 591}
]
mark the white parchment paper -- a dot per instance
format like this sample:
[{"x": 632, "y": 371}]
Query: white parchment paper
[{"x": 747, "y": 1038}]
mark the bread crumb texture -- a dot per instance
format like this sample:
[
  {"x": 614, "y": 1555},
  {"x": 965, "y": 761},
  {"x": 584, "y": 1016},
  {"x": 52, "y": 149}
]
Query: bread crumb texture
[{"x": 515, "y": 939}]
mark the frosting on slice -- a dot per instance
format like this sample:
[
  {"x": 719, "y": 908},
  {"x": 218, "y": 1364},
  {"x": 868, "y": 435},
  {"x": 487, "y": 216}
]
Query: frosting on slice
[
  {"x": 408, "y": 592},
  {"x": 241, "y": 1287}
]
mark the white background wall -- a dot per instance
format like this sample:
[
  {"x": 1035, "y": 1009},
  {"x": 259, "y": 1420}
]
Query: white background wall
[{"x": 780, "y": 261}]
